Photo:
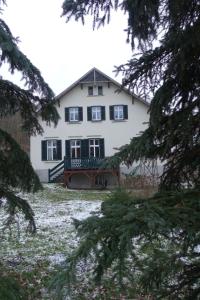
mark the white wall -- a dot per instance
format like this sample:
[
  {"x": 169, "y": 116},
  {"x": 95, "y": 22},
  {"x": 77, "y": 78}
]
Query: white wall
[{"x": 115, "y": 133}]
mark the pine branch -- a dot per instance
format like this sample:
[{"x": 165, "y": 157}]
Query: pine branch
[
  {"x": 16, "y": 204},
  {"x": 14, "y": 99},
  {"x": 15, "y": 168},
  {"x": 142, "y": 238}
]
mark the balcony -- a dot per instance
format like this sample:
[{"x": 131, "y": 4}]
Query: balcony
[
  {"x": 89, "y": 167},
  {"x": 82, "y": 163}
]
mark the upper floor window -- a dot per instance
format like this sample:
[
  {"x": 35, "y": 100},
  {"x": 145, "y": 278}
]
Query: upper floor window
[
  {"x": 96, "y": 113},
  {"x": 73, "y": 114},
  {"x": 51, "y": 150},
  {"x": 118, "y": 112}
]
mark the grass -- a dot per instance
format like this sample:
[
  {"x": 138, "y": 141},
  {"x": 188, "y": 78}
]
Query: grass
[{"x": 33, "y": 259}]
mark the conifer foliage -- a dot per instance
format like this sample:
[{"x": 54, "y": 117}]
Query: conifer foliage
[
  {"x": 151, "y": 246},
  {"x": 15, "y": 168}
]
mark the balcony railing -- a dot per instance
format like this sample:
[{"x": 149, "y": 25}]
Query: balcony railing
[{"x": 82, "y": 163}]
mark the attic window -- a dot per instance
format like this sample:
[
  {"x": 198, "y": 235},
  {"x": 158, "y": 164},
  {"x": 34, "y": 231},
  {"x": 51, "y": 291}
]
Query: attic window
[
  {"x": 100, "y": 90},
  {"x": 90, "y": 90}
]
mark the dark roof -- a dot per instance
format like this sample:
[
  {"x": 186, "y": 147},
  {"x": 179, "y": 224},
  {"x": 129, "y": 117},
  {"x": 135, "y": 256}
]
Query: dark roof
[{"x": 94, "y": 76}]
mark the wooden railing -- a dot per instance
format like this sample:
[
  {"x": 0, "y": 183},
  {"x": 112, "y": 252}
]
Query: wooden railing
[
  {"x": 56, "y": 171},
  {"x": 74, "y": 164},
  {"x": 82, "y": 163}
]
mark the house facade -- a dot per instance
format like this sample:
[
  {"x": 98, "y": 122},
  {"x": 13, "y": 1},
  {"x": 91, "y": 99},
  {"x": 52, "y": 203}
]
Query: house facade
[{"x": 94, "y": 121}]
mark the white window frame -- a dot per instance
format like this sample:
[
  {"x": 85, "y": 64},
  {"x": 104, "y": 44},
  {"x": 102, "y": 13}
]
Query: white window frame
[
  {"x": 118, "y": 112},
  {"x": 51, "y": 145},
  {"x": 73, "y": 114},
  {"x": 94, "y": 143},
  {"x": 96, "y": 113},
  {"x": 75, "y": 144}
]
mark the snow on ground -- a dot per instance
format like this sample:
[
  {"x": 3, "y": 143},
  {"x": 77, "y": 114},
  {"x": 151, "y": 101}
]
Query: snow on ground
[{"x": 54, "y": 209}]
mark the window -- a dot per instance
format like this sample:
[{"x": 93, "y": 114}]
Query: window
[
  {"x": 95, "y": 90},
  {"x": 118, "y": 112},
  {"x": 100, "y": 90},
  {"x": 75, "y": 147},
  {"x": 90, "y": 90},
  {"x": 94, "y": 145},
  {"x": 51, "y": 150},
  {"x": 73, "y": 114},
  {"x": 96, "y": 113}
]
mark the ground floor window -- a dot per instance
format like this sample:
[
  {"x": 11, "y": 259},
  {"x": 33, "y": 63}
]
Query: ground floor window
[
  {"x": 94, "y": 147},
  {"x": 75, "y": 147},
  {"x": 84, "y": 148},
  {"x": 51, "y": 150}
]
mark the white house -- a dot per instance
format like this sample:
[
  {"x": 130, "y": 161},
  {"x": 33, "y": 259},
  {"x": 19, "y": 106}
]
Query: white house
[{"x": 95, "y": 120}]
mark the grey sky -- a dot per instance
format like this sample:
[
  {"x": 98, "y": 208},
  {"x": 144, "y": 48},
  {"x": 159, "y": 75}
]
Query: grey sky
[{"x": 65, "y": 51}]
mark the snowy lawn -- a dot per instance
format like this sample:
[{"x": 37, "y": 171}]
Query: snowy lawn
[{"x": 33, "y": 259}]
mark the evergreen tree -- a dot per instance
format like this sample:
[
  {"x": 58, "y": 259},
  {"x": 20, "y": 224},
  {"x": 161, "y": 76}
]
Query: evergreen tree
[
  {"x": 15, "y": 168},
  {"x": 152, "y": 245}
]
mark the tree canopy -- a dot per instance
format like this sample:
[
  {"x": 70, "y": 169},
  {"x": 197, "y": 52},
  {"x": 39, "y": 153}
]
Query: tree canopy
[
  {"x": 16, "y": 172},
  {"x": 37, "y": 99},
  {"x": 151, "y": 246}
]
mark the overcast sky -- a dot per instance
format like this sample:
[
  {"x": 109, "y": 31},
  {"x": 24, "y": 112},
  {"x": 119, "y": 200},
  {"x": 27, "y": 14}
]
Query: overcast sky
[{"x": 62, "y": 51}]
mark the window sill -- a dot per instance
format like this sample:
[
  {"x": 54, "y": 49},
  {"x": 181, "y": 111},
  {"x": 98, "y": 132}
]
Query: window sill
[
  {"x": 74, "y": 122},
  {"x": 96, "y": 121},
  {"x": 122, "y": 120},
  {"x": 51, "y": 161},
  {"x": 94, "y": 96}
]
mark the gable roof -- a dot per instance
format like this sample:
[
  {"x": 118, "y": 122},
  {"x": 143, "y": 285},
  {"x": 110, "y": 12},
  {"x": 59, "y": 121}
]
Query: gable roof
[{"x": 95, "y": 76}]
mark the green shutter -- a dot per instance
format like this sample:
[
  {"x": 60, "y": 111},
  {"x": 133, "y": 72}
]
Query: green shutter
[
  {"x": 85, "y": 148},
  {"x": 125, "y": 111},
  {"x": 80, "y": 114},
  {"x": 102, "y": 148},
  {"x": 59, "y": 149},
  {"x": 66, "y": 114},
  {"x": 67, "y": 148},
  {"x": 89, "y": 113},
  {"x": 111, "y": 112},
  {"x": 103, "y": 113},
  {"x": 44, "y": 150}
]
